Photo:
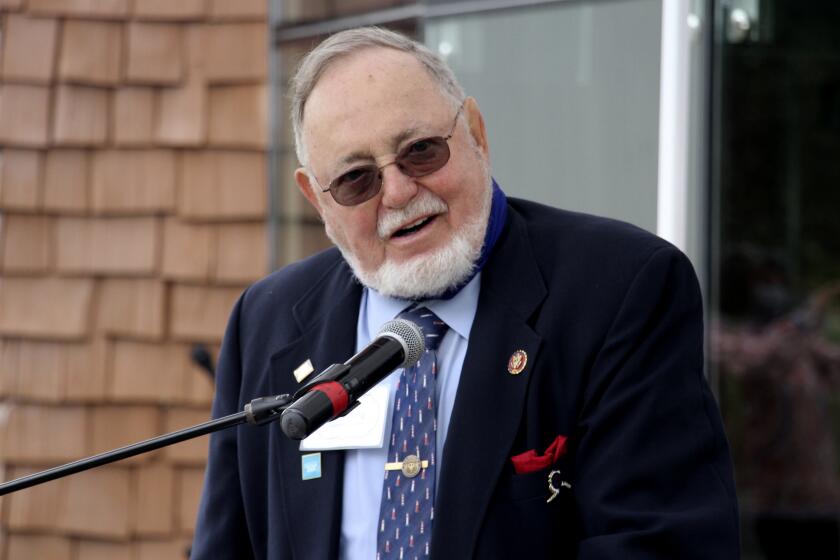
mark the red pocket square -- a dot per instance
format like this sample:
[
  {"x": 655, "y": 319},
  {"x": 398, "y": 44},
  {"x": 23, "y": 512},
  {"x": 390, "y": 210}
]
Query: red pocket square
[{"x": 529, "y": 461}]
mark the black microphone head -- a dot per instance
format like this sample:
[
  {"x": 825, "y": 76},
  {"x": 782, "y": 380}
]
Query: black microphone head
[
  {"x": 294, "y": 424},
  {"x": 410, "y": 337}
]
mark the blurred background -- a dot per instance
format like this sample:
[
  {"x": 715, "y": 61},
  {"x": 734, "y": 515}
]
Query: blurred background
[{"x": 146, "y": 179}]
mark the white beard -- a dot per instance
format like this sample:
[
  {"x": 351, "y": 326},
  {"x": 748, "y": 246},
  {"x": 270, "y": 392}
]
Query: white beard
[{"x": 431, "y": 274}]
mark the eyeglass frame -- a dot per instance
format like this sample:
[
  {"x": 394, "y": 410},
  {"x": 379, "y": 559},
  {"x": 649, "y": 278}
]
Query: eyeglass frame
[{"x": 379, "y": 168}]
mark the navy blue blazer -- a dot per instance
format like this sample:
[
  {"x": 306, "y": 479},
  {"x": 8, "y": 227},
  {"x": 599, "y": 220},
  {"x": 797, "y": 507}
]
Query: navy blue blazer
[{"x": 610, "y": 317}]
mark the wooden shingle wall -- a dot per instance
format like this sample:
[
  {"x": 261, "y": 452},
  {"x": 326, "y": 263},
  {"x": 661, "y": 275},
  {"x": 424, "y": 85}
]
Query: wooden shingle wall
[{"x": 132, "y": 214}]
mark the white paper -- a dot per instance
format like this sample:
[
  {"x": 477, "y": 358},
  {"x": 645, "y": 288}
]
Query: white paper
[{"x": 363, "y": 428}]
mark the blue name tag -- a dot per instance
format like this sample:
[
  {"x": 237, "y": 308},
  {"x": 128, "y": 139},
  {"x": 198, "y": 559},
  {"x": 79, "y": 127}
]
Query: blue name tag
[{"x": 310, "y": 465}]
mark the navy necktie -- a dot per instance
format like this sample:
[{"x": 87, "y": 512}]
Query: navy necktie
[{"x": 408, "y": 493}]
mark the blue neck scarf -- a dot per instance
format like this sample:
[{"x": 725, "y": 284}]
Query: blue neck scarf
[{"x": 495, "y": 226}]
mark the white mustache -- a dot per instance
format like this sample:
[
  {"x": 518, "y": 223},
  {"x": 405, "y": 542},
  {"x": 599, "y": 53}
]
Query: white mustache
[{"x": 424, "y": 204}]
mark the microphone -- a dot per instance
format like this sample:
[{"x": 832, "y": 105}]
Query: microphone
[{"x": 337, "y": 389}]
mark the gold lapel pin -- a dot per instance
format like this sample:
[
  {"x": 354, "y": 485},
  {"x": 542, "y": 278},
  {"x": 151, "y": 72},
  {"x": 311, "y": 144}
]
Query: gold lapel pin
[{"x": 517, "y": 362}]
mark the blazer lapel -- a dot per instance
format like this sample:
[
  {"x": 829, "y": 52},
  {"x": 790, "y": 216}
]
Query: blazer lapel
[
  {"x": 327, "y": 317},
  {"x": 490, "y": 399}
]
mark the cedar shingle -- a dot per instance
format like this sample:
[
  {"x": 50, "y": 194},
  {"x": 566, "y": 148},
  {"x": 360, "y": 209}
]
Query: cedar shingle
[
  {"x": 242, "y": 253},
  {"x": 132, "y": 308},
  {"x": 99, "y": 9},
  {"x": 155, "y": 550},
  {"x": 34, "y": 508},
  {"x": 133, "y": 181},
  {"x": 25, "y": 243},
  {"x": 125, "y": 246},
  {"x": 182, "y": 10},
  {"x": 145, "y": 372},
  {"x": 241, "y": 9},
  {"x": 96, "y": 503},
  {"x": 222, "y": 185},
  {"x": 39, "y": 546},
  {"x": 199, "y": 313},
  {"x": 45, "y": 434},
  {"x": 194, "y": 50},
  {"x": 38, "y": 370},
  {"x": 24, "y": 115},
  {"x": 54, "y": 371},
  {"x": 200, "y": 388},
  {"x": 115, "y": 426},
  {"x": 191, "y": 452},
  {"x": 66, "y": 181},
  {"x": 45, "y": 307},
  {"x": 236, "y": 52},
  {"x": 188, "y": 250},
  {"x": 103, "y": 550},
  {"x": 81, "y": 116},
  {"x": 154, "y": 54},
  {"x": 189, "y": 482},
  {"x": 238, "y": 116},
  {"x": 29, "y": 49},
  {"x": 20, "y": 179},
  {"x": 11, "y": 4},
  {"x": 134, "y": 114},
  {"x": 9, "y": 367},
  {"x": 91, "y": 52},
  {"x": 154, "y": 499},
  {"x": 92, "y": 503},
  {"x": 85, "y": 371},
  {"x": 182, "y": 118}
]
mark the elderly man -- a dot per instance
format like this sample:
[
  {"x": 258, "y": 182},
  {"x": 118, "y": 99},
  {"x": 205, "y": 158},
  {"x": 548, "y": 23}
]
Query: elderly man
[{"x": 561, "y": 410}]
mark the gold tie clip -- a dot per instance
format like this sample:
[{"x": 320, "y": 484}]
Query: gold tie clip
[{"x": 410, "y": 466}]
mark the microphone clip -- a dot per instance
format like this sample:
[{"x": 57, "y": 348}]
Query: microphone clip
[{"x": 266, "y": 409}]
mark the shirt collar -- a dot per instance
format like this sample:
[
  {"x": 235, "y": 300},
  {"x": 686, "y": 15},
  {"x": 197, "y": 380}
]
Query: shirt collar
[{"x": 458, "y": 311}]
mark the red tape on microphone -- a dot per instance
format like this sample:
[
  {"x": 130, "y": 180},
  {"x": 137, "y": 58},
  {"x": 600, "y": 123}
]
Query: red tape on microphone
[{"x": 336, "y": 393}]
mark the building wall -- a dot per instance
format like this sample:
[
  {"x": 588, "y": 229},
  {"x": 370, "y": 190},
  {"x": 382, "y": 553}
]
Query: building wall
[{"x": 132, "y": 213}]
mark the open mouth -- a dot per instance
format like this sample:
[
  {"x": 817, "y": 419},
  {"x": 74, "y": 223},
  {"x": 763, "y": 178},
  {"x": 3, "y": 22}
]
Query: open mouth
[{"x": 414, "y": 227}]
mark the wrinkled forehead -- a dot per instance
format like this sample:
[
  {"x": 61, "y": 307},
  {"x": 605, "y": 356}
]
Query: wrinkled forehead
[{"x": 374, "y": 92}]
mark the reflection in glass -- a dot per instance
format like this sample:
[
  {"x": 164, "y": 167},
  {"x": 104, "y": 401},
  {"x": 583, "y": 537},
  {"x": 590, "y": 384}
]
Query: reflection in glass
[{"x": 775, "y": 330}]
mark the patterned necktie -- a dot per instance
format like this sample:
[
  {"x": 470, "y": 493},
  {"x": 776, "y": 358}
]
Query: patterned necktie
[{"x": 408, "y": 493}]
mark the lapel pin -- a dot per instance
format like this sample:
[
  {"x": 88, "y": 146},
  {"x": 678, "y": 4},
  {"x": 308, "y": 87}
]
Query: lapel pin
[
  {"x": 303, "y": 370},
  {"x": 310, "y": 466},
  {"x": 518, "y": 361}
]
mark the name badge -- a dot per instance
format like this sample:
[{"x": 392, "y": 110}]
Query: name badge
[{"x": 363, "y": 428}]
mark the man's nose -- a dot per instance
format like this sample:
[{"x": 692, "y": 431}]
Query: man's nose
[{"x": 397, "y": 188}]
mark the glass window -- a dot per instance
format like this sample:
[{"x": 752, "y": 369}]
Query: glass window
[
  {"x": 775, "y": 333},
  {"x": 570, "y": 93}
]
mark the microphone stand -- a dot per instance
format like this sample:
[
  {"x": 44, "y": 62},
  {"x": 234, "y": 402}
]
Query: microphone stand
[{"x": 258, "y": 412}]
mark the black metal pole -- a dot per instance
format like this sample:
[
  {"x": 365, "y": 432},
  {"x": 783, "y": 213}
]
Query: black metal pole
[{"x": 257, "y": 412}]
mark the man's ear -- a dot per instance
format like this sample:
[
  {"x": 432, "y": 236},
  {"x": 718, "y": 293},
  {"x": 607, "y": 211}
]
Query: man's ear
[
  {"x": 306, "y": 187},
  {"x": 475, "y": 120}
]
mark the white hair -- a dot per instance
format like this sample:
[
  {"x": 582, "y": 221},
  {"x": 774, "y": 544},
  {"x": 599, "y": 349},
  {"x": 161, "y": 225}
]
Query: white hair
[{"x": 345, "y": 43}]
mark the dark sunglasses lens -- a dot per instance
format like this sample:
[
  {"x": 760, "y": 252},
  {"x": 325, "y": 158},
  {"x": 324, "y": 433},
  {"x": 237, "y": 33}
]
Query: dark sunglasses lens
[
  {"x": 356, "y": 186},
  {"x": 424, "y": 156}
]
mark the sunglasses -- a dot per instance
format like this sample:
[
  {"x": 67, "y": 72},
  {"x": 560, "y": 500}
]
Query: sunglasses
[{"x": 421, "y": 157}]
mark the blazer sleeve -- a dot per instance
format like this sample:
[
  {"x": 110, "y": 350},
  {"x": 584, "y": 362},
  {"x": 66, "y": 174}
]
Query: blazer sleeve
[
  {"x": 653, "y": 475},
  {"x": 221, "y": 531}
]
